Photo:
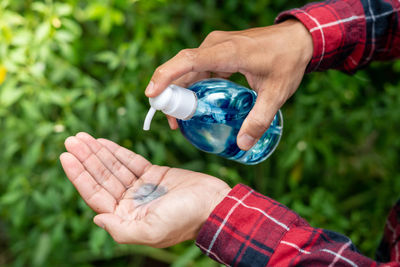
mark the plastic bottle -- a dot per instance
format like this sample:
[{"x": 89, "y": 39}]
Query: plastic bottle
[{"x": 210, "y": 113}]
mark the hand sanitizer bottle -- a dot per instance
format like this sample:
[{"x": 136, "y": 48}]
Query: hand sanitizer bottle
[{"x": 210, "y": 113}]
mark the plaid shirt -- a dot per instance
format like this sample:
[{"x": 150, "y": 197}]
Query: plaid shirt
[
  {"x": 349, "y": 34},
  {"x": 250, "y": 229}
]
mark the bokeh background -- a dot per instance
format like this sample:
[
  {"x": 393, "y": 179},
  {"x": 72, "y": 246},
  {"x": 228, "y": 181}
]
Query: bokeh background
[{"x": 74, "y": 65}]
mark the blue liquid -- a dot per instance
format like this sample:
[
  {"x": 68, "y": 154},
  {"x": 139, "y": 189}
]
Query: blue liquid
[{"x": 221, "y": 109}]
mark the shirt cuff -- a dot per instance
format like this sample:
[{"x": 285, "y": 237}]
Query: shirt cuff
[
  {"x": 245, "y": 227},
  {"x": 336, "y": 28}
]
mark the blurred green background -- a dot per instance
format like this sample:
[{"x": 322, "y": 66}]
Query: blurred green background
[{"x": 74, "y": 65}]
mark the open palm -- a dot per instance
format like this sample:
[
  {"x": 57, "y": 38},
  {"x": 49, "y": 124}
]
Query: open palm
[{"x": 138, "y": 202}]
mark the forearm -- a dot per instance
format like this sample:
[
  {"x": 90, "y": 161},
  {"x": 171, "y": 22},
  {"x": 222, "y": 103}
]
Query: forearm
[
  {"x": 250, "y": 229},
  {"x": 349, "y": 34}
]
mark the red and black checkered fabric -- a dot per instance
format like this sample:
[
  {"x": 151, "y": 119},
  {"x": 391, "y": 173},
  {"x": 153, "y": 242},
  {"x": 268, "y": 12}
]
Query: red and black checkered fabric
[
  {"x": 347, "y": 35},
  {"x": 250, "y": 229}
]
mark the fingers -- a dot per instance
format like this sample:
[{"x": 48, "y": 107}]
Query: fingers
[
  {"x": 224, "y": 75},
  {"x": 221, "y": 57},
  {"x": 173, "y": 124},
  {"x": 95, "y": 167},
  {"x": 258, "y": 120},
  {"x": 134, "y": 162},
  {"x": 184, "y": 80},
  {"x": 191, "y": 77},
  {"x": 99, "y": 199},
  {"x": 121, "y": 172}
]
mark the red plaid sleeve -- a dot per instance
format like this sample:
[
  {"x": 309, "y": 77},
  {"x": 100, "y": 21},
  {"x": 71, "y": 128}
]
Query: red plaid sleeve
[
  {"x": 250, "y": 229},
  {"x": 348, "y": 34}
]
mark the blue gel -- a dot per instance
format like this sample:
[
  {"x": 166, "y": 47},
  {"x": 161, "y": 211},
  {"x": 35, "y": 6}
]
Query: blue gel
[{"x": 221, "y": 109}]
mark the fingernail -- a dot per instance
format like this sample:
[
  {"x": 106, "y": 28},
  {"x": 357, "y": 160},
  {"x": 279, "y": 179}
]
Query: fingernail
[
  {"x": 149, "y": 88},
  {"x": 246, "y": 141}
]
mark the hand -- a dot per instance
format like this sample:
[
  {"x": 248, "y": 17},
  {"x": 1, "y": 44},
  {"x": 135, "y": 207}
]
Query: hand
[
  {"x": 273, "y": 60},
  {"x": 137, "y": 202}
]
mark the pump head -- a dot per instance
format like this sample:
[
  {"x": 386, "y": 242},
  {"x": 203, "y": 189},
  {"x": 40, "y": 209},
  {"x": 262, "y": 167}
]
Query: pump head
[{"x": 175, "y": 101}]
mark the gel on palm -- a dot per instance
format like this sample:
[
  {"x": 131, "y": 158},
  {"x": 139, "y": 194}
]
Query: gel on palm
[{"x": 210, "y": 113}]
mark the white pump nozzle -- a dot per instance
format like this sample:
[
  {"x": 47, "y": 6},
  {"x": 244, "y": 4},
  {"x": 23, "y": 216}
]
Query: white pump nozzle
[
  {"x": 175, "y": 101},
  {"x": 148, "y": 118}
]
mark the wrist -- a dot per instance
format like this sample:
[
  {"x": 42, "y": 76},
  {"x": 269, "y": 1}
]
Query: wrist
[
  {"x": 301, "y": 37},
  {"x": 220, "y": 195},
  {"x": 216, "y": 198}
]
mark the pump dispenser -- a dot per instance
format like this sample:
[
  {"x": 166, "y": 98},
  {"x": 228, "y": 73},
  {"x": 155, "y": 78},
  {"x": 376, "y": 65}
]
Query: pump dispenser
[
  {"x": 175, "y": 101},
  {"x": 210, "y": 113}
]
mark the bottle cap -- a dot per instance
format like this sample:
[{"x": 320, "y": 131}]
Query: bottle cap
[{"x": 175, "y": 101}]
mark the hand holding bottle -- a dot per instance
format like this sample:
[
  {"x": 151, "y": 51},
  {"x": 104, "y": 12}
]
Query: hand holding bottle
[
  {"x": 210, "y": 113},
  {"x": 273, "y": 60},
  {"x": 137, "y": 202}
]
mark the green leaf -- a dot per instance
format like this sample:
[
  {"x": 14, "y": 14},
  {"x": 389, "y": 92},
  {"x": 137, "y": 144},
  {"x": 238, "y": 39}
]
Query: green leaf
[
  {"x": 39, "y": 7},
  {"x": 62, "y": 9},
  {"x": 42, "y": 32},
  {"x": 187, "y": 257},
  {"x": 72, "y": 26},
  {"x": 64, "y": 36},
  {"x": 33, "y": 154},
  {"x": 42, "y": 250},
  {"x": 9, "y": 95},
  {"x": 97, "y": 239},
  {"x": 18, "y": 55},
  {"x": 96, "y": 11},
  {"x": 117, "y": 17},
  {"x": 10, "y": 198}
]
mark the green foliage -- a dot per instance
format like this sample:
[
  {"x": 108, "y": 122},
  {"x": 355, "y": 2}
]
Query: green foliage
[{"x": 75, "y": 65}]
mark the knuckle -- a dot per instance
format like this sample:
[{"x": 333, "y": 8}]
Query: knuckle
[
  {"x": 259, "y": 123},
  {"x": 188, "y": 54},
  {"x": 105, "y": 175},
  {"x": 131, "y": 158},
  {"x": 276, "y": 95},
  {"x": 116, "y": 166},
  {"x": 215, "y": 35},
  {"x": 97, "y": 188},
  {"x": 231, "y": 45},
  {"x": 279, "y": 97},
  {"x": 160, "y": 72}
]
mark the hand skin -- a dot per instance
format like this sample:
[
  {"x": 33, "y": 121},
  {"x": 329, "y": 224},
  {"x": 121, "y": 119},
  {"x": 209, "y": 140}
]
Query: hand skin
[
  {"x": 273, "y": 59},
  {"x": 112, "y": 181}
]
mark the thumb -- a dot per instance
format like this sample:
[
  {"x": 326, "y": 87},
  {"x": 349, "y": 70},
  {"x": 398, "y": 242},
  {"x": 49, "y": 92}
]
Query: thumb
[
  {"x": 113, "y": 224},
  {"x": 258, "y": 120}
]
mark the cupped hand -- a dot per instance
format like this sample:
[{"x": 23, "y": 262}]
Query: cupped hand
[
  {"x": 137, "y": 202},
  {"x": 273, "y": 59}
]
